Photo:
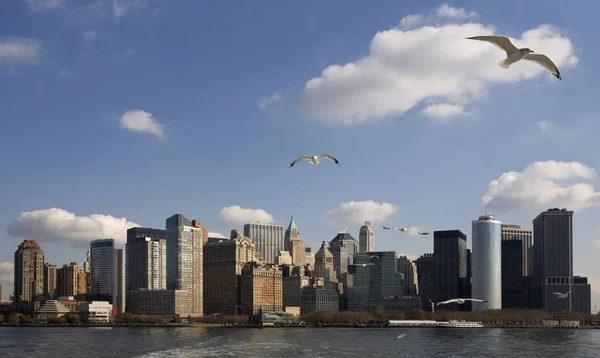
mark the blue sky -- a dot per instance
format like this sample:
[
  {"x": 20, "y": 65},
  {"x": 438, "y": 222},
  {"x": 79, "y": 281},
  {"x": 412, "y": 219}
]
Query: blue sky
[{"x": 142, "y": 109}]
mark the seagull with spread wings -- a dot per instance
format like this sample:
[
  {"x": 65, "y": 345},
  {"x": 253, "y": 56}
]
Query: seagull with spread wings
[
  {"x": 406, "y": 229},
  {"x": 514, "y": 54},
  {"x": 460, "y": 301},
  {"x": 314, "y": 159},
  {"x": 562, "y": 295}
]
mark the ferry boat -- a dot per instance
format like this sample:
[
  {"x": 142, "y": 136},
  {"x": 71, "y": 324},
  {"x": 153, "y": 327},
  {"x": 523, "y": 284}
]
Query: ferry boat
[{"x": 461, "y": 324}]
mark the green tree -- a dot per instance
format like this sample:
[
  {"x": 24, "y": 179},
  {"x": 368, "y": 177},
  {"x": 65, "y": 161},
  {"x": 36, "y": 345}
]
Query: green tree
[
  {"x": 72, "y": 318},
  {"x": 26, "y": 319},
  {"x": 53, "y": 320},
  {"x": 124, "y": 318},
  {"x": 14, "y": 318}
]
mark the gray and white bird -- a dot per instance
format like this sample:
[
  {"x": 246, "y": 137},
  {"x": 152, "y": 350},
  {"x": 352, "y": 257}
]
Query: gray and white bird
[
  {"x": 460, "y": 301},
  {"x": 314, "y": 159},
  {"x": 514, "y": 54},
  {"x": 406, "y": 229},
  {"x": 400, "y": 336},
  {"x": 562, "y": 295}
]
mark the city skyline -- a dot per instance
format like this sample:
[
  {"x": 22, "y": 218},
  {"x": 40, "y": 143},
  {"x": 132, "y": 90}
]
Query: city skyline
[{"x": 77, "y": 92}]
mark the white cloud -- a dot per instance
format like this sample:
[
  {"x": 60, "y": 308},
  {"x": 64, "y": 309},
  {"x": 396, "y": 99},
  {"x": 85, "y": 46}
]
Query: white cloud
[
  {"x": 141, "y": 121},
  {"x": 360, "y": 211},
  {"x": 443, "y": 111},
  {"x": 44, "y": 5},
  {"x": 216, "y": 234},
  {"x": 235, "y": 215},
  {"x": 16, "y": 50},
  {"x": 6, "y": 272},
  {"x": 433, "y": 63},
  {"x": 545, "y": 126},
  {"x": 452, "y": 12},
  {"x": 543, "y": 185},
  {"x": 60, "y": 225},
  {"x": 410, "y": 257},
  {"x": 409, "y": 21},
  {"x": 122, "y": 7},
  {"x": 264, "y": 102},
  {"x": 89, "y": 37}
]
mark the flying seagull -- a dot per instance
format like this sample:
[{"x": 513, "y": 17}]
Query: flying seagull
[
  {"x": 406, "y": 229},
  {"x": 314, "y": 159},
  {"x": 562, "y": 295},
  {"x": 514, "y": 54},
  {"x": 460, "y": 301},
  {"x": 400, "y": 336}
]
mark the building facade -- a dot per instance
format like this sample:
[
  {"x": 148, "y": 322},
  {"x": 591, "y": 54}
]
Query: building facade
[
  {"x": 146, "y": 264},
  {"x": 343, "y": 247},
  {"x": 294, "y": 245},
  {"x": 185, "y": 263},
  {"x": 425, "y": 271},
  {"x": 315, "y": 299},
  {"x": 70, "y": 280},
  {"x": 513, "y": 281},
  {"x": 121, "y": 292},
  {"x": 524, "y": 236},
  {"x": 486, "y": 263},
  {"x": 268, "y": 240},
  {"x": 261, "y": 286},
  {"x": 103, "y": 262},
  {"x": 375, "y": 282},
  {"x": 450, "y": 266},
  {"x": 408, "y": 270},
  {"x": 49, "y": 281},
  {"x": 223, "y": 264},
  {"x": 324, "y": 266},
  {"x": 553, "y": 256},
  {"x": 366, "y": 238},
  {"x": 28, "y": 272}
]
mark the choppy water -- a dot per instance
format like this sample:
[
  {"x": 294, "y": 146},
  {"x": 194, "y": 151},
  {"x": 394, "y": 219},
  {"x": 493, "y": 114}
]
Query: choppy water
[{"x": 296, "y": 342}]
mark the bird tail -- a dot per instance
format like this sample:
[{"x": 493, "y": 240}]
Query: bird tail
[{"x": 504, "y": 63}]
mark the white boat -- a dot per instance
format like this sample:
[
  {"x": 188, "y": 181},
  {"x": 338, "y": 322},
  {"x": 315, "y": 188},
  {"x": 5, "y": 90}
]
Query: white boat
[{"x": 461, "y": 324}]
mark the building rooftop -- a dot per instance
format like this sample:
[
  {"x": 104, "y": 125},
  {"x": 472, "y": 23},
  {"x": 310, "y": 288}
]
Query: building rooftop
[{"x": 292, "y": 227}]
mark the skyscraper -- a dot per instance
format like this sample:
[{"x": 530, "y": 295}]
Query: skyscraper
[
  {"x": 553, "y": 238},
  {"x": 343, "y": 247},
  {"x": 103, "y": 262},
  {"x": 425, "y": 270},
  {"x": 450, "y": 269},
  {"x": 486, "y": 261},
  {"x": 324, "y": 266},
  {"x": 146, "y": 264},
  {"x": 294, "y": 245},
  {"x": 49, "y": 280},
  {"x": 70, "y": 280},
  {"x": 121, "y": 289},
  {"x": 268, "y": 239},
  {"x": 28, "y": 271},
  {"x": 524, "y": 236},
  {"x": 366, "y": 238},
  {"x": 184, "y": 262},
  {"x": 373, "y": 283},
  {"x": 408, "y": 270},
  {"x": 513, "y": 281}
]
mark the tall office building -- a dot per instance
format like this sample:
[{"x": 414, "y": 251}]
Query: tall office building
[
  {"x": 28, "y": 272},
  {"x": 343, "y": 247},
  {"x": 425, "y": 271},
  {"x": 49, "y": 280},
  {"x": 223, "y": 264},
  {"x": 450, "y": 270},
  {"x": 70, "y": 280},
  {"x": 261, "y": 286},
  {"x": 324, "y": 266},
  {"x": 268, "y": 239},
  {"x": 196, "y": 224},
  {"x": 373, "y": 283},
  {"x": 524, "y": 236},
  {"x": 366, "y": 238},
  {"x": 408, "y": 270},
  {"x": 513, "y": 281},
  {"x": 103, "y": 262},
  {"x": 486, "y": 260},
  {"x": 184, "y": 262},
  {"x": 121, "y": 289},
  {"x": 553, "y": 238},
  {"x": 146, "y": 261},
  {"x": 294, "y": 245}
]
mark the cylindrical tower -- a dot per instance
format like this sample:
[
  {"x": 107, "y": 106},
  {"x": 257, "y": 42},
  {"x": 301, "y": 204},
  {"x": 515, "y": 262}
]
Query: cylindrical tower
[{"x": 486, "y": 263}]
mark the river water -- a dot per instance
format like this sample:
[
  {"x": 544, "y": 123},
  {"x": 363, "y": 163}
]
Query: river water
[{"x": 116, "y": 342}]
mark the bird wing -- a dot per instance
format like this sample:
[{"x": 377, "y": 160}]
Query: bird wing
[
  {"x": 474, "y": 300},
  {"x": 447, "y": 301},
  {"x": 387, "y": 228},
  {"x": 502, "y": 42},
  {"x": 400, "y": 228},
  {"x": 299, "y": 159},
  {"x": 568, "y": 292},
  {"x": 328, "y": 156},
  {"x": 545, "y": 62},
  {"x": 423, "y": 233},
  {"x": 557, "y": 293}
]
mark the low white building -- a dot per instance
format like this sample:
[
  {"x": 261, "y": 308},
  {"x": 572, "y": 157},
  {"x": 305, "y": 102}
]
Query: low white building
[{"x": 96, "y": 311}]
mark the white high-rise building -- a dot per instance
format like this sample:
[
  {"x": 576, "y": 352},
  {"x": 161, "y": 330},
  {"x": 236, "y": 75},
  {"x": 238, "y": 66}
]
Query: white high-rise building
[
  {"x": 486, "y": 263},
  {"x": 366, "y": 238},
  {"x": 268, "y": 239}
]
